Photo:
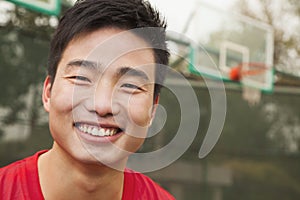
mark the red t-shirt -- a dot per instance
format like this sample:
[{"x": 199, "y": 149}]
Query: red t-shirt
[{"x": 20, "y": 181}]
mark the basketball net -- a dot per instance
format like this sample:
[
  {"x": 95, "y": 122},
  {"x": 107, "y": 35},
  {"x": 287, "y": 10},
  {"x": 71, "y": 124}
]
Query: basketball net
[{"x": 251, "y": 95}]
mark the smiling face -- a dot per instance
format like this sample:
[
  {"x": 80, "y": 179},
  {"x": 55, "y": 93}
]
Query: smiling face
[{"x": 101, "y": 102}]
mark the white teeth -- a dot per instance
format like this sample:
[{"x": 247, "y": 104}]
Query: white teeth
[
  {"x": 97, "y": 131},
  {"x": 89, "y": 130},
  {"x": 94, "y": 131},
  {"x": 102, "y": 132}
]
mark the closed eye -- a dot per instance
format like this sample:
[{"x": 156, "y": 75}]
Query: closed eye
[
  {"x": 131, "y": 86},
  {"x": 80, "y": 78}
]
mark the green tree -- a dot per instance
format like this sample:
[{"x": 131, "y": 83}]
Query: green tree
[
  {"x": 24, "y": 44},
  {"x": 283, "y": 16},
  {"x": 24, "y": 38}
]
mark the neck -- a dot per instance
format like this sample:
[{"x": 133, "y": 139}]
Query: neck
[{"x": 62, "y": 176}]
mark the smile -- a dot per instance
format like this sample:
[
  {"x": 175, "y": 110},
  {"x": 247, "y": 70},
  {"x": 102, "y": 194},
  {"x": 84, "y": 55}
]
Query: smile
[{"x": 97, "y": 130}]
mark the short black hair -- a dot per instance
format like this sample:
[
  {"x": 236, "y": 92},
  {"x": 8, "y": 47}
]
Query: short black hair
[{"x": 87, "y": 16}]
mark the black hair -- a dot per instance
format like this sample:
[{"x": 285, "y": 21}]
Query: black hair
[{"x": 90, "y": 15}]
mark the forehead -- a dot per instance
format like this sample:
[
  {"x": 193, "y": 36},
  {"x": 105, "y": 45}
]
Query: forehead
[{"x": 109, "y": 46}]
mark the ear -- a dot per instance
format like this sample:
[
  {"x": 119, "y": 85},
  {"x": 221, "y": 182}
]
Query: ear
[
  {"x": 46, "y": 96},
  {"x": 155, "y": 104}
]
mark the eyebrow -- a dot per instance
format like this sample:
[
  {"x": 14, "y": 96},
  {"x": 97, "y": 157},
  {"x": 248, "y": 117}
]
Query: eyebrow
[
  {"x": 129, "y": 71},
  {"x": 83, "y": 63}
]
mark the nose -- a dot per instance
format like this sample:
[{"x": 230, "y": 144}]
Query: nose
[{"x": 103, "y": 99}]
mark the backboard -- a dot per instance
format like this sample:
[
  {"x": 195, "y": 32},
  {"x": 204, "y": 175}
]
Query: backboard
[
  {"x": 50, "y": 7},
  {"x": 224, "y": 40}
]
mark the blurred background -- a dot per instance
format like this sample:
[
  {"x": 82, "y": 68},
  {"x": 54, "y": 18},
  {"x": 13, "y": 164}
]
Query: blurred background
[{"x": 257, "y": 155}]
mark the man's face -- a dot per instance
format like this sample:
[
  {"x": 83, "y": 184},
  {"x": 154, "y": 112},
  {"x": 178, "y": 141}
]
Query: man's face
[{"x": 101, "y": 101}]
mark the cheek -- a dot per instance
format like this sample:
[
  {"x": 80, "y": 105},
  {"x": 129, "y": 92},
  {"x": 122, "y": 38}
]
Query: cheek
[
  {"x": 60, "y": 115},
  {"x": 140, "y": 110},
  {"x": 62, "y": 99},
  {"x": 62, "y": 103}
]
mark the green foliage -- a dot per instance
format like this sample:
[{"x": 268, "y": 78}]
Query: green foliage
[
  {"x": 24, "y": 38},
  {"x": 286, "y": 40},
  {"x": 24, "y": 47}
]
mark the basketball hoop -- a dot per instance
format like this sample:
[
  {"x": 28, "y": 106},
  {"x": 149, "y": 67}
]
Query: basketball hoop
[{"x": 246, "y": 73}]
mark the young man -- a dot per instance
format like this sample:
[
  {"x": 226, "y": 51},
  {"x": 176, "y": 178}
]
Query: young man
[{"x": 101, "y": 90}]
